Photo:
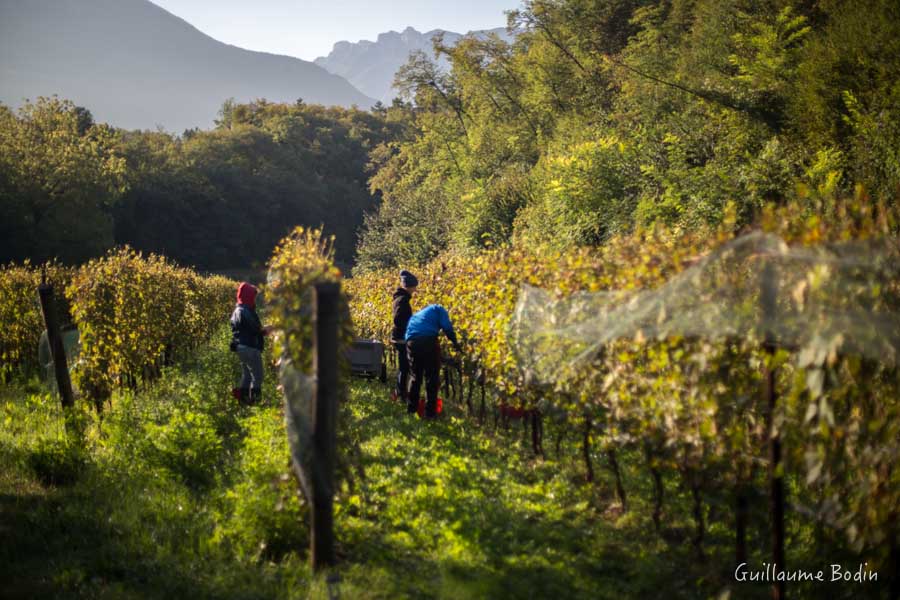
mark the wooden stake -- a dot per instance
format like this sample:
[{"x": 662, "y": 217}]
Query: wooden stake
[
  {"x": 324, "y": 418},
  {"x": 586, "y": 450},
  {"x": 60, "y": 366},
  {"x": 776, "y": 481}
]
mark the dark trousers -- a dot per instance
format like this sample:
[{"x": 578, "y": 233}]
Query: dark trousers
[
  {"x": 424, "y": 362},
  {"x": 402, "y": 370}
]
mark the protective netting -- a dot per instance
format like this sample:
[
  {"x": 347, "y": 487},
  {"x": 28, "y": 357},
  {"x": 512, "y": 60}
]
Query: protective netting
[
  {"x": 298, "y": 388},
  {"x": 755, "y": 287},
  {"x": 71, "y": 347},
  {"x": 299, "y": 396}
]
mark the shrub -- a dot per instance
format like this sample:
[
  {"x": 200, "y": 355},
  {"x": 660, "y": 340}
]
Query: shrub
[{"x": 136, "y": 313}]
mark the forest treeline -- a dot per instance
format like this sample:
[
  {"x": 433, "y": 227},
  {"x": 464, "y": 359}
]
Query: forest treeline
[
  {"x": 599, "y": 117},
  {"x": 606, "y": 115},
  {"x": 71, "y": 188}
]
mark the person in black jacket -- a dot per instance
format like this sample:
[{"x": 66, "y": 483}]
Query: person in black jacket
[
  {"x": 247, "y": 339},
  {"x": 402, "y": 313}
]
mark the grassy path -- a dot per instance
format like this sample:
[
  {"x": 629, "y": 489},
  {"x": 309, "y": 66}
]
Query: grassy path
[
  {"x": 455, "y": 512},
  {"x": 181, "y": 494}
]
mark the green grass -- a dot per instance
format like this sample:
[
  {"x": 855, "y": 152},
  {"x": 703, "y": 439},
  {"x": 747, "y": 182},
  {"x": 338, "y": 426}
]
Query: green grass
[
  {"x": 179, "y": 493},
  {"x": 451, "y": 512}
]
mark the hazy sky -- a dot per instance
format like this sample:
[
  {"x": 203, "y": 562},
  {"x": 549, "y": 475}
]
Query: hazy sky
[{"x": 309, "y": 28}]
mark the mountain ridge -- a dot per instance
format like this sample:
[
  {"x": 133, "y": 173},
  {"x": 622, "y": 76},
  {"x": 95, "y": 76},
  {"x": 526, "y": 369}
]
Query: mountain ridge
[
  {"x": 136, "y": 65},
  {"x": 370, "y": 65}
]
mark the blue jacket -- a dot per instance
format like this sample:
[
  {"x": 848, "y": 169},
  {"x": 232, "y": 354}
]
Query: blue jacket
[
  {"x": 246, "y": 329},
  {"x": 429, "y": 322}
]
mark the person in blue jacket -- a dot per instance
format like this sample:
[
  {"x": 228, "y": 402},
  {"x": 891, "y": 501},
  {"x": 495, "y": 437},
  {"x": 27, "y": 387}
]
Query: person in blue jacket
[{"x": 424, "y": 353}]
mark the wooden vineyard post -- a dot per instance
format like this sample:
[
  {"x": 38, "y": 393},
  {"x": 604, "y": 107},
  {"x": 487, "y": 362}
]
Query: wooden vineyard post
[
  {"x": 586, "y": 449},
  {"x": 776, "y": 479},
  {"x": 446, "y": 380},
  {"x": 741, "y": 516},
  {"x": 60, "y": 366},
  {"x": 324, "y": 420},
  {"x": 471, "y": 385},
  {"x": 481, "y": 385}
]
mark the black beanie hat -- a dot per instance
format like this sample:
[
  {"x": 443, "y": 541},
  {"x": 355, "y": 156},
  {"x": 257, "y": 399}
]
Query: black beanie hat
[{"x": 407, "y": 279}]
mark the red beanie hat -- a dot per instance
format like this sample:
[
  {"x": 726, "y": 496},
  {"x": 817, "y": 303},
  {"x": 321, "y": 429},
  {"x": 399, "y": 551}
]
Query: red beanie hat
[{"x": 246, "y": 295}]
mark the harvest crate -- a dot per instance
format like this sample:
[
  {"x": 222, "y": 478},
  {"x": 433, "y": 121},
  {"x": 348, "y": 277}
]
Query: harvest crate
[{"x": 367, "y": 359}]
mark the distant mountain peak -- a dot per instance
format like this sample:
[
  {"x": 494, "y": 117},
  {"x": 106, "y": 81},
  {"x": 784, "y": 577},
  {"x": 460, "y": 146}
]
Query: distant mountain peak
[
  {"x": 370, "y": 66},
  {"x": 136, "y": 65}
]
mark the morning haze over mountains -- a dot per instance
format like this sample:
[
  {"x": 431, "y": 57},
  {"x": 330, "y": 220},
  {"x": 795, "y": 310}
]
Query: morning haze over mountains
[{"x": 137, "y": 66}]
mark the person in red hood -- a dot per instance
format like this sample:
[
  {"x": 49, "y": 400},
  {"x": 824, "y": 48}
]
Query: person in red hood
[{"x": 247, "y": 339}]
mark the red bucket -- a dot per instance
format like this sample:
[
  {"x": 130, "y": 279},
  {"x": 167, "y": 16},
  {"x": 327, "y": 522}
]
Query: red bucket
[{"x": 421, "y": 409}]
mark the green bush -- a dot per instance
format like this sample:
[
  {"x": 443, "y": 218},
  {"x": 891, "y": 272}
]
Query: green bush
[{"x": 587, "y": 193}]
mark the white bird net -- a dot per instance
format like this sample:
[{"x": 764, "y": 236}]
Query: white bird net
[
  {"x": 298, "y": 384},
  {"x": 755, "y": 287},
  {"x": 299, "y": 395}
]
